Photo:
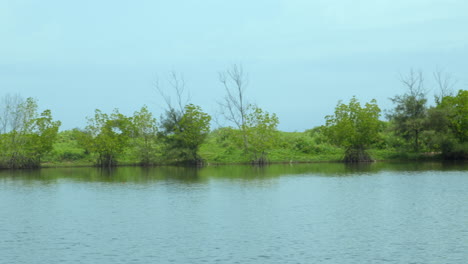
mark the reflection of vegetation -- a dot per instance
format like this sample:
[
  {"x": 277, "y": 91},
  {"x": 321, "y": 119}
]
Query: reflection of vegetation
[
  {"x": 191, "y": 175},
  {"x": 114, "y": 174}
]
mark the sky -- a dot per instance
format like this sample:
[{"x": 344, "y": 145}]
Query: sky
[{"x": 301, "y": 56}]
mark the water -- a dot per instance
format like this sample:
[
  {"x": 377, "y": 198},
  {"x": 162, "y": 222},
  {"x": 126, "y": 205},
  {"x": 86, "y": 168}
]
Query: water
[{"x": 311, "y": 213}]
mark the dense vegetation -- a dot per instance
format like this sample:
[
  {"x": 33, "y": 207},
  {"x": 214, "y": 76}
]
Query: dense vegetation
[
  {"x": 25, "y": 135},
  {"x": 354, "y": 128},
  {"x": 353, "y": 133}
]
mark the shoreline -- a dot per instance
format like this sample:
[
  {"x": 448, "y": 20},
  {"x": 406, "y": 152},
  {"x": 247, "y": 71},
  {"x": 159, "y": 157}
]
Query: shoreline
[{"x": 214, "y": 164}]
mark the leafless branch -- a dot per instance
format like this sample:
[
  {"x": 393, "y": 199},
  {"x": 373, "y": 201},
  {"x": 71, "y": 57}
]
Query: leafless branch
[
  {"x": 176, "y": 82},
  {"x": 445, "y": 83},
  {"x": 10, "y": 114},
  {"x": 414, "y": 81},
  {"x": 234, "y": 105}
]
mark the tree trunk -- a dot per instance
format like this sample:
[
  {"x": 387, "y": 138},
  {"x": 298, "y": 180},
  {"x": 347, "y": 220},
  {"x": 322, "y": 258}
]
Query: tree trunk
[{"x": 359, "y": 154}]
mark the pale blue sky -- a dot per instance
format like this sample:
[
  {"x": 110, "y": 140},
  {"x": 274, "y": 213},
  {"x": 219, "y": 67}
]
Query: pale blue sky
[{"x": 301, "y": 56}]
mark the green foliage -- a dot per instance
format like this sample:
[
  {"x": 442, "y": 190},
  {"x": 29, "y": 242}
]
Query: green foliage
[
  {"x": 107, "y": 136},
  {"x": 29, "y": 137},
  {"x": 261, "y": 130},
  {"x": 184, "y": 132},
  {"x": 144, "y": 141},
  {"x": 66, "y": 148},
  {"x": 257, "y": 136},
  {"x": 385, "y": 138},
  {"x": 192, "y": 131},
  {"x": 456, "y": 110},
  {"x": 354, "y": 127},
  {"x": 448, "y": 126},
  {"x": 409, "y": 116},
  {"x": 304, "y": 144},
  {"x": 318, "y": 134},
  {"x": 224, "y": 145},
  {"x": 221, "y": 146}
]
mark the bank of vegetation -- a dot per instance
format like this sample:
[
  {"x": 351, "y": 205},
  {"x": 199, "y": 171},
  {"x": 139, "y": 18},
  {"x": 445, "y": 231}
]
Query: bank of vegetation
[{"x": 355, "y": 132}]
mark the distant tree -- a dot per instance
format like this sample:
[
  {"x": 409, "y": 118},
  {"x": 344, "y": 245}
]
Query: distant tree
[
  {"x": 12, "y": 113},
  {"x": 173, "y": 113},
  {"x": 448, "y": 124},
  {"x": 261, "y": 130},
  {"x": 457, "y": 113},
  {"x": 445, "y": 84},
  {"x": 184, "y": 127},
  {"x": 410, "y": 112},
  {"x": 234, "y": 106},
  {"x": 192, "y": 131},
  {"x": 256, "y": 128},
  {"x": 26, "y": 135},
  {"x": 107, "y": 135},
  {"x": 354, "y": 127},
  {"x": 145, "y": 136},
  {"x": 184, "y": 135}
]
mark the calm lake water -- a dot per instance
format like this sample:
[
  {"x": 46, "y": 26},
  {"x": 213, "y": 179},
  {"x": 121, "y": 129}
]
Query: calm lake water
[{"x": 309, "y": 213}]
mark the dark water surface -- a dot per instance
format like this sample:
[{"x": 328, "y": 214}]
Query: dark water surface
[{"x": 311, "y": 213}]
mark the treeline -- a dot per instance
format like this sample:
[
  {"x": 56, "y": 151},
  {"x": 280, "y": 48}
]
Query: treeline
[
  {"x": 182, "y": 134},
  {"x": 412, "y": 125}
]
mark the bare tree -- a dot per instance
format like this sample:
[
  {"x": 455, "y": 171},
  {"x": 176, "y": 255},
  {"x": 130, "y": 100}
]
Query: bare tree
[
  {"x": 184, "y": 125},
  {"x": 177, "y": 83},
  {"x": 11, "y": 116},
  {"x": 414, "y": 82},
  {"x": 173, "y": 112},
  {"x": 234, "y": 106},
  {"x": 445, "y": 83},
  {"x": 409, "y": 113}
]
